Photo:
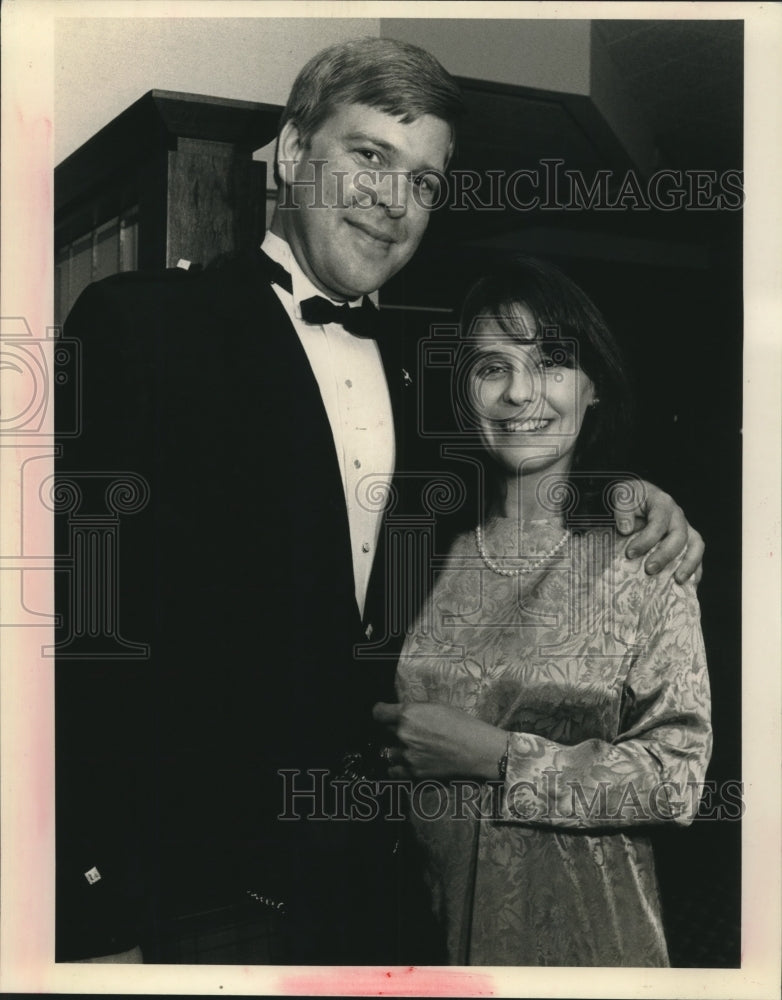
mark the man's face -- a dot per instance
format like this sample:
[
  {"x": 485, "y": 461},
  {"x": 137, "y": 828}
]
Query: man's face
[{"x": 356, "y": 219}]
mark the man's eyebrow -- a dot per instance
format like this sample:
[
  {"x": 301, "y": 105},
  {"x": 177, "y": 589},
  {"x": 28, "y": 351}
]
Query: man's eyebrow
[
  {"x": 388, "y": 147},
  {"x": 368, "y": 137}
]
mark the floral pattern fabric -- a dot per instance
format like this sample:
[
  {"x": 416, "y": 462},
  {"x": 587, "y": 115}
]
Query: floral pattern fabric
[{"x": 597, "y": 671}]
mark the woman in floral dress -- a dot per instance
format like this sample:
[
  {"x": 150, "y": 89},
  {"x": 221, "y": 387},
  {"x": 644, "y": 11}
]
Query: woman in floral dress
[{"x": 553, "y": 697}]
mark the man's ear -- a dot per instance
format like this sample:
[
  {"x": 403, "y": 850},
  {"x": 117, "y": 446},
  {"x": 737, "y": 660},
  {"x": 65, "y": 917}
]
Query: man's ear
[{"x": 289, "y": 151}]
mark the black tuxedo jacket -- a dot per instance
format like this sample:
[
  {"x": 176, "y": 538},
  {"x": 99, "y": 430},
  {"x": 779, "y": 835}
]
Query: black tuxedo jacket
[{"x": 237, "y": 573}]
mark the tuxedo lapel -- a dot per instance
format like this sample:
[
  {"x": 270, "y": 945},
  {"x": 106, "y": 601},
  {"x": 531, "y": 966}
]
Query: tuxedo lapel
[
  {"x": 382, "y": 648},
  {"x": 398, "y": 371},
  {"x": 284, "y": 406},
  {"x": 274, "y": 375}
]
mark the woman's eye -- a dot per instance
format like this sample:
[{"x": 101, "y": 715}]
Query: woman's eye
[
  {"x": 556, "y": 357},
  {"x": 557, "y": 360},
  {"x": 370, "y": 155},
  {"x": 493, "y": 370}
]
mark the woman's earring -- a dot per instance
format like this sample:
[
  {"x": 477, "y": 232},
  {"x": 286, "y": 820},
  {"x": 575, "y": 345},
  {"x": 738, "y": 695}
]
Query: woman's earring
[{"x": 595, "y": 401}]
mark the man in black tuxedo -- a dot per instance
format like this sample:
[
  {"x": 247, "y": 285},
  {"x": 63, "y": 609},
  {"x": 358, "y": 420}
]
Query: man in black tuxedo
[{"x": 259, "y": 416}]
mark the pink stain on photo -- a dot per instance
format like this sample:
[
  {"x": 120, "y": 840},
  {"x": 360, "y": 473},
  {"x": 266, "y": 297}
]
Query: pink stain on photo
[{"x": 397, "y": 982}]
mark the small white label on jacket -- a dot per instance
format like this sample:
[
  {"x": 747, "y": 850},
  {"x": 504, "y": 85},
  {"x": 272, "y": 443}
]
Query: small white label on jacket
[{"x": 92, "y": 876}]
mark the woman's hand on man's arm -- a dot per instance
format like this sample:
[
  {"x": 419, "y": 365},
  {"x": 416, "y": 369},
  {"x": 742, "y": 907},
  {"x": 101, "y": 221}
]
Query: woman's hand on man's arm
[{"x": 660, "y": 522}]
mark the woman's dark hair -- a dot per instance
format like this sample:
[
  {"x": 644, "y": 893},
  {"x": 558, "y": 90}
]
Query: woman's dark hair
[{"x": 568, "y": 325}]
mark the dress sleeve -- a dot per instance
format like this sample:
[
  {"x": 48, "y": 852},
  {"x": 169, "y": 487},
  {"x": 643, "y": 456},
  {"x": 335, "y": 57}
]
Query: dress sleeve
[{"x": 652, "y": 772}]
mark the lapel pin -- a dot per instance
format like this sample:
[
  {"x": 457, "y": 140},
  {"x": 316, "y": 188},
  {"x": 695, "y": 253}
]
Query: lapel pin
[{"x": 407, "y": 378}]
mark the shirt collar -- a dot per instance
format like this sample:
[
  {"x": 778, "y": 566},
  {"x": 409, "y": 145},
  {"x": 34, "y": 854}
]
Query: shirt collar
[{"x": 279, "y": 250}]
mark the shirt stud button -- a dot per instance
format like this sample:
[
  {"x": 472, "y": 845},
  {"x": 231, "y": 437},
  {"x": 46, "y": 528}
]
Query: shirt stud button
[
  {"x": 348, "y": 383},
  {"x": 357, "y": 463},
  {"x": 365, "y": 547}
]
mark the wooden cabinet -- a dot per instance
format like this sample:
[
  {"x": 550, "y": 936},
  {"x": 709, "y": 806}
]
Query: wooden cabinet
[{"x": 170, "y": 178}]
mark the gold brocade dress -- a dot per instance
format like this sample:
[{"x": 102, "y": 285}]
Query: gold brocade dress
[{"x": 598, "y": 672}]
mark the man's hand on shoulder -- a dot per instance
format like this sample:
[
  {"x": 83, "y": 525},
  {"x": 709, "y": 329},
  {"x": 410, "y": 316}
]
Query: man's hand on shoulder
[{"x": 660, "y": 522}]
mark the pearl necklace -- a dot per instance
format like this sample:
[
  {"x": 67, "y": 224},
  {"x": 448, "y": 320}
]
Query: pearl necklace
[{"x": 521, "y": 569}]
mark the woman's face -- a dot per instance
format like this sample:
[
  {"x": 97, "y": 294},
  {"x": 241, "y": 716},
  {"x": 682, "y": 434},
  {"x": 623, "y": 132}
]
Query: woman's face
[{"x": 529, "y": 406}]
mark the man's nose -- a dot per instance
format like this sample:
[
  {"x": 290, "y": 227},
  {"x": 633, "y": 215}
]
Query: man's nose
[{"x": 393, "y": 192}]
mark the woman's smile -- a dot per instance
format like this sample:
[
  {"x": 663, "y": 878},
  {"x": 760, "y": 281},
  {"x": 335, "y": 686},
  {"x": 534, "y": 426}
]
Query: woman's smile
[{"x": 526, "y": 425}]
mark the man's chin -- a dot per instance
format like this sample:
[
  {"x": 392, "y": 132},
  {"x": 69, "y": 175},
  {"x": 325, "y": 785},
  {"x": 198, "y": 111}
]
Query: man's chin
[{"x": 355, "y": 287}]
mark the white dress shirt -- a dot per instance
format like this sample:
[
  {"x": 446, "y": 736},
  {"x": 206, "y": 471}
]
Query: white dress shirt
[{"x": 352, "y": 383}]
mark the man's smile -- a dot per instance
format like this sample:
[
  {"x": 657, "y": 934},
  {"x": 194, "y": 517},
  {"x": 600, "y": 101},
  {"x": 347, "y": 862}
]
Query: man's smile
[{"x": 378, "y": 236}]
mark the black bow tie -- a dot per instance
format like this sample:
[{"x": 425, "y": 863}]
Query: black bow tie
[{"x": 362, "y": 321}]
